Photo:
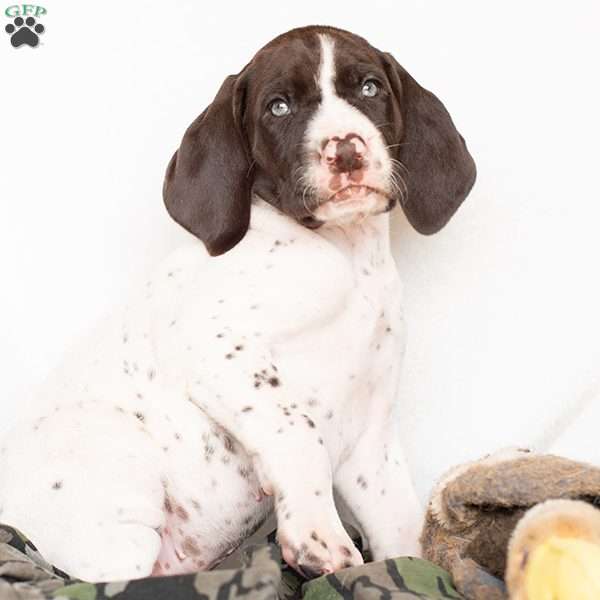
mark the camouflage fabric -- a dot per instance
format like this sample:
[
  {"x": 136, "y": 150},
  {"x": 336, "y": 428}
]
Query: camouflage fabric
[
  {"x": 398, "y": 579},
  {"x": 25, "y": 575}
]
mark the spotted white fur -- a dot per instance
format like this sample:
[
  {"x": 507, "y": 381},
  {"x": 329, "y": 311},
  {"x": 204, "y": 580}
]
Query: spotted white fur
[{"x": 230, "y": 387}]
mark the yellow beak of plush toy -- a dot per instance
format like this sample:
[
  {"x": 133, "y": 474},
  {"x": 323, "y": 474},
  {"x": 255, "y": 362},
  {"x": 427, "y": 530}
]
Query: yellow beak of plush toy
[
  {"x": 563, "y": 568},
  {"x": 554, "y": 553}
]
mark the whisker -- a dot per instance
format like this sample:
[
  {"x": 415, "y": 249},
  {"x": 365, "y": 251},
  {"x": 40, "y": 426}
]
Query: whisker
[
  {"x": 398, "y": 182},
  {"x": 384, "y": 124},
  {"x": 307, "y": 189},
  {"x": 397, "y": 163},
  {"x": 396, "y": 145}
]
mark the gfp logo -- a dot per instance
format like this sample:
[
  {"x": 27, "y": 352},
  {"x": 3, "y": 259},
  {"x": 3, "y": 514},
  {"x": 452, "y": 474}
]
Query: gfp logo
[{"x": 24, "y": 28}]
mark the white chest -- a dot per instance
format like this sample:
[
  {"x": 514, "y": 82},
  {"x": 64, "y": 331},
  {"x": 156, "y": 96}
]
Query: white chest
[{"x": 351, "y": 363}]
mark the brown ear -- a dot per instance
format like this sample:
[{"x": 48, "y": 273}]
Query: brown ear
[
  {"x": 206, "y": 188},
  {"x": 440, "y": 172}
]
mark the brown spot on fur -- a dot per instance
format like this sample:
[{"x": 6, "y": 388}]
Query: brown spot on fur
[
  {"x": 312, "y": 558},
  {"x": 57, "y": 485},
  {"x": 228, "y": 444},
  {"x": 190, "y": 546},
  {"x": 244, "y": 472},
  {"x": 182, "y": 513},
  {"x": 208, "y": 452}
]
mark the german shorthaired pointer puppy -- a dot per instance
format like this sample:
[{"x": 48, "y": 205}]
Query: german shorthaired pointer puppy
[{"x": 256, "y": 371}]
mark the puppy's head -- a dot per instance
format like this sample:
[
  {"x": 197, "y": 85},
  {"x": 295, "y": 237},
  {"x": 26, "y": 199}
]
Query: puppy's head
[{"x": 326, "y": 128}]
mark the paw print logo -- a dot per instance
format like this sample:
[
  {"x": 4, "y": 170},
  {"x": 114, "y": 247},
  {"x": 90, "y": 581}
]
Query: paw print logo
[{"x": 24, "y": 32}]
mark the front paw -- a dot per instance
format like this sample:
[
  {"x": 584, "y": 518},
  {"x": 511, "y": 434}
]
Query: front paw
[{"x": 315, "y": 548}]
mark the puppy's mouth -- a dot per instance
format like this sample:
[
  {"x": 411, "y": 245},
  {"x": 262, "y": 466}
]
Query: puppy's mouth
[{"x": 355, "y": 192}]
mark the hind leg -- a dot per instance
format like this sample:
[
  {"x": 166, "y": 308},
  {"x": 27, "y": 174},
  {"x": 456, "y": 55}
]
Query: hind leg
[
  {"x": 115, "y": 543},
  {"x": 116, "y": 552},
  {"x": 118, "y": 540},
  {"x": 91, "y": 501}
]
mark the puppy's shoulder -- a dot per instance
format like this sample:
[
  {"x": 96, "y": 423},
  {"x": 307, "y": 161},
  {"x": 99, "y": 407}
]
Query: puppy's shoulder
[{"x": 278, "y": 273}]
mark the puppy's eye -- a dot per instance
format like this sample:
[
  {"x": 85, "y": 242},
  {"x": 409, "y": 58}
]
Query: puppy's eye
[
  {"x": 370, "y": 88},
  {"x": 279, "y": 108}
]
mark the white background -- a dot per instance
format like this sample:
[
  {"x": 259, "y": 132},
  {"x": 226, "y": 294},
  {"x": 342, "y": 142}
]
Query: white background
[{"x": 503, "y": 306}]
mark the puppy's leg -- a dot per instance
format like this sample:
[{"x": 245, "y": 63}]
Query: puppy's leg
[
  {"x": 90, "y": 498},
  {"x": 293, "y": 465},
  {"x": 115, "y": 552},
  {"x": 376, "y": 485},
  {"x": 89, "y": 541}
]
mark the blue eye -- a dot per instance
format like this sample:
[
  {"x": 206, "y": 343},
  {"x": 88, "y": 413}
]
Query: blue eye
[
  {"x": 370, "y": 88},
  {"x": 279, "y": 108}
]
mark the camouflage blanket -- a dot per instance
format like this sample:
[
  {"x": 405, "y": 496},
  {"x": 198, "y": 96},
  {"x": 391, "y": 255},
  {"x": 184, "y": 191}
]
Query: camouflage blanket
[{"x": 25, "y": 575}]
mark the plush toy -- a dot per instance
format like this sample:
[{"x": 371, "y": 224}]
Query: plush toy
[{"x": 518, "y": 525}]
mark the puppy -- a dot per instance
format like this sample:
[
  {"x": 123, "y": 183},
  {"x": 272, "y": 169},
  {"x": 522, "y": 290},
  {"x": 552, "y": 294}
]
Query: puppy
[{"x": 257, "y": 369}]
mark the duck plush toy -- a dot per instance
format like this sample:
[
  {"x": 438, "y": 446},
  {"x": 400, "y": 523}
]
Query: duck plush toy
[{"x": 518, "y": 526}]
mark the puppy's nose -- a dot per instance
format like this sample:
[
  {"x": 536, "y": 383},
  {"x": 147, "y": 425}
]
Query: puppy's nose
[{"x": 344, "y": 155}]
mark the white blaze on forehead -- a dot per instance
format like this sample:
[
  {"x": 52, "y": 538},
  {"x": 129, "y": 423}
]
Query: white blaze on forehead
[{"x": 327, "y": 68}]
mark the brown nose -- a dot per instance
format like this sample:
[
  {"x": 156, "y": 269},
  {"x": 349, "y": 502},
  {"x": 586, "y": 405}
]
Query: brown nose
[{"x": 344, "y": 155}]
